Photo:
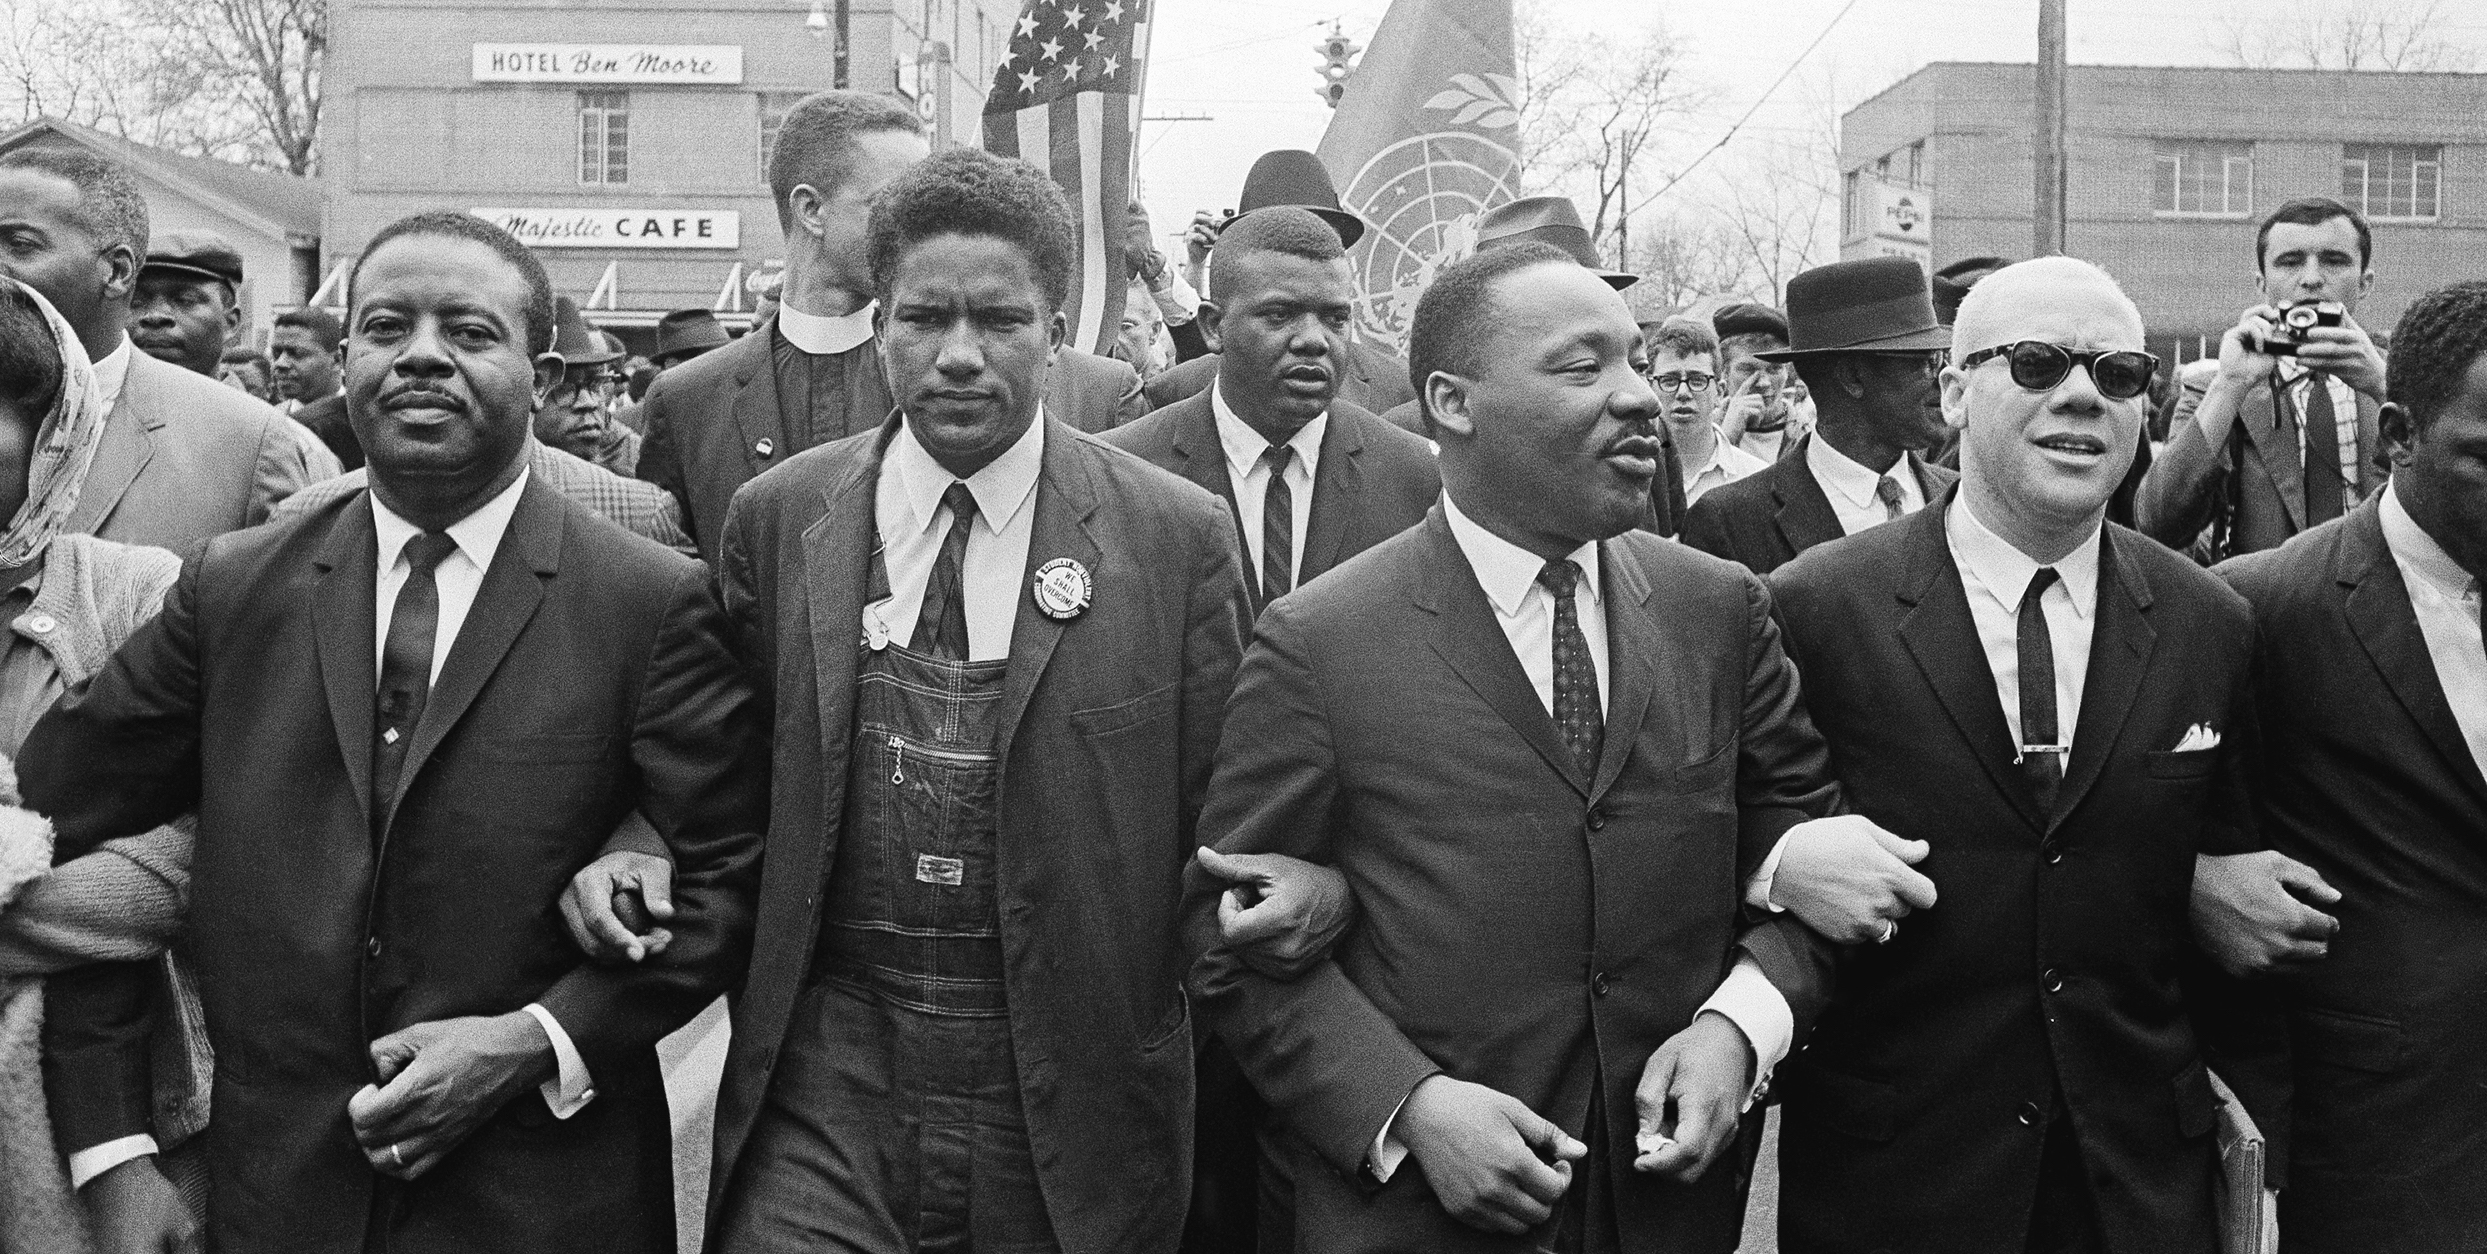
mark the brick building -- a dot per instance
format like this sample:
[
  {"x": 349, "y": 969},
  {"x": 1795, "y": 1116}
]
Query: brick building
[
  {"x": 2170, "y": 169},
  {"x": 625, "y": 139}
]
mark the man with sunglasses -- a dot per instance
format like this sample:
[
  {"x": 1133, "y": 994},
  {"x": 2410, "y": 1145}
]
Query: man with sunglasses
[
  {"x": 1864, "y": 338},
  {"x": 2057, "y": 707}
]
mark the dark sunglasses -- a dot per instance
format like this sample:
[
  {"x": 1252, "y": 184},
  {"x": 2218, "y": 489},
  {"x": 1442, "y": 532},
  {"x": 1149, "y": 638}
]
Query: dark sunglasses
[{"x": 2040, "y": 366}]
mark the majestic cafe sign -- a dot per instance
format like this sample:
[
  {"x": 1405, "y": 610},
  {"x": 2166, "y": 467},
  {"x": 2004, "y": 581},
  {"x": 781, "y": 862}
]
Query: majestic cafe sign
[{"x": 601, "y": 226}]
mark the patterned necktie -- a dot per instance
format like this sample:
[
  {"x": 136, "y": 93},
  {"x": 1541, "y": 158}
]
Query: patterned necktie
[
  {"x": 941, "y": 626},
  {"x": 2325, "y": 489},
  {"x": 1577, "y": 712},
  {"x": 2041, "y": 761},
  {"x": 1888, "y": 492},
  {"x": 1277, "y": 525},
  {"x": 406, "y": 665}
]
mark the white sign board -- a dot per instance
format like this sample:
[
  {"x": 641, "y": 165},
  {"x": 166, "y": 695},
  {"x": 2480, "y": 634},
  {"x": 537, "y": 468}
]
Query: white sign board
[
  {"x": 1903, "y": 214},
  {"x": 608, "y": 63},
  {"x": 603, "y": 227}
]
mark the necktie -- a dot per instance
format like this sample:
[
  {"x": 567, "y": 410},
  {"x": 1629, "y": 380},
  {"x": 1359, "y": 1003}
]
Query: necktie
[
  {"x": 2042, "y": 761},
  {"x": 941, "y": 626},
  {"x": 1888, "y": 492},
  {"x": 1577, "y": 712},
  {"x": 1277, "y": 525},
  {"x": 2324, "y": 486},
  {"x": 406, "y": 665}
]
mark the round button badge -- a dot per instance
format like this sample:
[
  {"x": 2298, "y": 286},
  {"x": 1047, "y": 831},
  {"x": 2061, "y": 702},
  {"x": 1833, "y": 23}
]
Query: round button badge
[{"x": 1062, "y": 588}]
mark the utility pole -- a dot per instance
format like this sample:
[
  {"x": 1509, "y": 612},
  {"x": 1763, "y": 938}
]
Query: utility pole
[{"x": 2047, "y": 150}]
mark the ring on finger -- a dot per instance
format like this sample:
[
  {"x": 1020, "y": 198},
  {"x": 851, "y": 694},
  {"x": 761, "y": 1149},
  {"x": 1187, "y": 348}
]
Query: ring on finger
[
  {"x": 1891, "y": 928},
  {"x": 396, "y": 1159}
]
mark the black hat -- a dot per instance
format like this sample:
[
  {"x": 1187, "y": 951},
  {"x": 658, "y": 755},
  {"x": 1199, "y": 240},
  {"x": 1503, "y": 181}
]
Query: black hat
[
  {"x": 687, "y": 333},
  {"x": 1291, "y": 176},
  {"x": 1870, "y": 305},
  {"x": 1952, "y": 284},
  {"x": 201, "y": 254},
  {"x": 577, "y": 345},
  {"x": 1747, "y": 318},
  {"x": 1548, "y": 220}
]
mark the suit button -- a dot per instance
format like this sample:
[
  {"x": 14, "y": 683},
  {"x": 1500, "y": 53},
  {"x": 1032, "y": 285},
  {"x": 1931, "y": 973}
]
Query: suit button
[
  {"x": 1597, "y": 820},
  {"x": 372, "y": 947},
  {"x": 2030, "y": 1114},
  {"x": 2054, "y": 980},
  {"x": 2051, "y": 851},
  {"x": 1598, "y": 984}
]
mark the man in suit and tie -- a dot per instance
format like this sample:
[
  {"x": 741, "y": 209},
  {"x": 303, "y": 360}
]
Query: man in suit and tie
[
  {"x": 184, "y": 457},
  {"x": 404, "y": 720},
  {"x": 2279, "y": 441},
  {"x": 1547, "y": 750},
  {"x": 2058, "y": 707},
  {"x": 1864, "y": 338},
  {"x": 2373, "y": 702},
  {"x": 1000, "y": 652}
]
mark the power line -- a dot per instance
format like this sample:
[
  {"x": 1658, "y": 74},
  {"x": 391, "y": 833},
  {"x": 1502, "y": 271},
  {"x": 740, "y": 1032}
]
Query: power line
[{"x": 1757, "y": 104}]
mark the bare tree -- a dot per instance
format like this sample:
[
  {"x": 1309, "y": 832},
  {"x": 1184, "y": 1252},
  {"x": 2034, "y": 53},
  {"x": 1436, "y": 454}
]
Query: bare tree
[
  {"x": 1593, "y": 112},
  {"x": 232, "y": 79},
  {"x": 2396, "y": 35},
  {"x": 261, "y": 57}
]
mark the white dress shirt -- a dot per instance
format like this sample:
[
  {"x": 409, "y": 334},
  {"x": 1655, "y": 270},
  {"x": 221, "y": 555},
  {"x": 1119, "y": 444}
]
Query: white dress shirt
[
  {"x": 907, "y": 507},
  {"x": 1525, "y": 611},
  {"x": 1250, "y": 476},
  {"x": 821, "y": 336},
  {"x": 2446, "y": 601},
  {"x": 1996, "y": 576},
  {"x": 2294, "y": 378},
  {"x": 1850, "y": 486},
  {"x": 112, "y": 372},
  {"x": 1725, "y": 465}
]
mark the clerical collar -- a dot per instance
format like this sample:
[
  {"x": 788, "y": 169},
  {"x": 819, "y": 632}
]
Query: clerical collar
[{"x": 824, "y": 337}]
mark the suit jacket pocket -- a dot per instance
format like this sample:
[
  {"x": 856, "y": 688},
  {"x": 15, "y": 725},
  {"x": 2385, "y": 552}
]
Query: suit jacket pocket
[
  {"x": 1177, "y": 1018},
  {"x": 2190, "y": 764},
  {"x": 2197, "y": 1107},
  {"x": 2357, "y": 1042},
  {"x": 1854, "y": 1106},
  {"x": 1713, "y": 771},
  {"x": 1155, "y": 703}
]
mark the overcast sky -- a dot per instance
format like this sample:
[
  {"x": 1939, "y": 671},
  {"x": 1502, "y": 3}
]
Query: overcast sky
[{"x": 1249, "y": 64}]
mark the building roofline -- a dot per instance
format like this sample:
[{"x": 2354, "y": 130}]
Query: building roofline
[
  {"x": 172, "y": 167},
  {"x": 2203, "y": 70}
]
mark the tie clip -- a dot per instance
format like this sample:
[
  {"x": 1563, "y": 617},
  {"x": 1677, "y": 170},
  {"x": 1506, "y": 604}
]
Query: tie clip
[{"x": 2026, "y": 750}]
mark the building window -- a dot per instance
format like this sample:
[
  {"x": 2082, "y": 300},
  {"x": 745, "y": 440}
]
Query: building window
[
  {"x": 774, "y": 106},
  {"x": 604, "y": 137},
  {"x": 2199, "y": 178},
  {"x": 1904, "y": 166},
  {"x": 2392, "y": 180}
]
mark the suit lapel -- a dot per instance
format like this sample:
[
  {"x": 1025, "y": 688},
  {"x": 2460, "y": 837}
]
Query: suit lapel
[
  {"x": 1468, "y": 637},
  {"x": 1943, "y": 641},
  {"x": 837, "y": 565},
  {"x": 1931, "y": 479},
  {"x": 1637, "y": 657},
  {"x": 342, "y": 619},
  {"x": 756, "y": 411},
  {"x": 1805, "y": 516},
  {"x": 1338, "y": 487},
  {"x": 1203, "y": 459},
  {"x": 2369, "y": 437},
  {"x": 127, "y": 446},
  {"x": 2387, "y": 628},
  {"x": 512, "y": 590},
  {"x": 2276, "y": 446},
  {"x": 1065, "y": 507},
  {"x": 2121, "y": 644}
]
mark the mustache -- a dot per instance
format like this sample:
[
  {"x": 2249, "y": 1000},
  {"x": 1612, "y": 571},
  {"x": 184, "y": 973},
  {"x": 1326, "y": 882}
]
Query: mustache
[{"x": 415, "y": 395}]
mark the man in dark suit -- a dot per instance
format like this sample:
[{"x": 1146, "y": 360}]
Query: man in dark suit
[
  {"x": 1529, "y": 735},
  {"x": 184, "y": 457},
  {"x": 2236, "y": 461},
  {"x": 1864, "y": 338},
  {"x": 1000, "y": 651},
  {"x": 811, "y": 374},
  {"x": 305, "y": 354},
  {"x": 411, "y": 1056},
  {"x": 2059, "y": 709},
  {"x": 2373, "y": 700}
]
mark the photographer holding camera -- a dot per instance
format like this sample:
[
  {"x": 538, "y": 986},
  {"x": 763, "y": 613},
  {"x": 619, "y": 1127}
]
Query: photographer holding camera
[{"x": 2283, "y": 437}]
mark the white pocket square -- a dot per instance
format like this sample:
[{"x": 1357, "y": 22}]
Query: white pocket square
[{"x": 2198, "y": 737}]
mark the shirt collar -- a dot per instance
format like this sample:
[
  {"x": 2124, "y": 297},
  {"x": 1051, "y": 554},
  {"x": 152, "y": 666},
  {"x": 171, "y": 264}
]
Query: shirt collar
[
  {"x": 1843, "y": 474},
  {"x": 825, "y": 337},
  {"x": 112, "y": 371},
  {"x": 1001, "y": 488},
  {"x": 2005, "y": 571},
  {"x": 1244, "y": 445},
  {"x": 478, "y": 535},
  {"x": 2417, "y": 551},
  {"x": 1505, "y": 570}
]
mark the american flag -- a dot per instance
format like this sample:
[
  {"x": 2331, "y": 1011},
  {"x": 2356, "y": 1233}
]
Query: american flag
[{"x": 1067, "y": 98}]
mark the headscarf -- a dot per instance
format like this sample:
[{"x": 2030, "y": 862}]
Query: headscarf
[{"x": 64, "y": 447}]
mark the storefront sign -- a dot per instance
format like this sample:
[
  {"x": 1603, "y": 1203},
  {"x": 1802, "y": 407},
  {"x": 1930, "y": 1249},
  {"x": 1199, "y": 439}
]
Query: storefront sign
[
  {"x": 608, "y": 63},
  {"x": 602, "y": 227}
]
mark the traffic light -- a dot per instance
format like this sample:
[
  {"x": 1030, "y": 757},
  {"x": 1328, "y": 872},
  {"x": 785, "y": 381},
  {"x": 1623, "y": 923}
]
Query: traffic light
[{"x": 1337, "y": 53}]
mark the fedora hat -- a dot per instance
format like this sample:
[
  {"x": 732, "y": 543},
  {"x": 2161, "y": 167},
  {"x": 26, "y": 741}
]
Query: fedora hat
[
  {"x": 577, "y": 345},
  {"x": 687, "y": 333},
  {"x": 1952, "y": 284},
  {"x": 1870, "y": 305},
  {"x": 1547, "y": 220},
  {"x": 1291, "y": 176}
]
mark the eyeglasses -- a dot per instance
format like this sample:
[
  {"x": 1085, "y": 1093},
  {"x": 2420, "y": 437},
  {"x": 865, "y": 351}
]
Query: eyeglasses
[
  {"x": 1695, "y": 383},
  {"x": 2040, "y": 366},
  {"x": 601, "y": 385}
]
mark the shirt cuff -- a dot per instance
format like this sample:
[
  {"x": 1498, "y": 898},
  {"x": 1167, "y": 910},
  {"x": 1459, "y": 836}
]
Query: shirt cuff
[
  {"x": 1757, "y": 892},
  {"x": 1176, "y": 301},
  {"x": 1387, "y": 1153},
  {"x": 570, "y": 1089},
  {"x": 89, "y": 1163},
  {"x": 1749, "y": 1000}
]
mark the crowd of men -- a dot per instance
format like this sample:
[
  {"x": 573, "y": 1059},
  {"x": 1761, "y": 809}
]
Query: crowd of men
[{"x": 1248, "y": 791}]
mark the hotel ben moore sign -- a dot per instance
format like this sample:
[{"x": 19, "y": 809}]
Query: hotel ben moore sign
[
  {"x": 602, "y": 227},
  {"x": 608, "y": 63}
]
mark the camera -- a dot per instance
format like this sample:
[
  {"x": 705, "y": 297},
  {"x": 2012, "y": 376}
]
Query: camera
[{"x": 2295, "y": 320}]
